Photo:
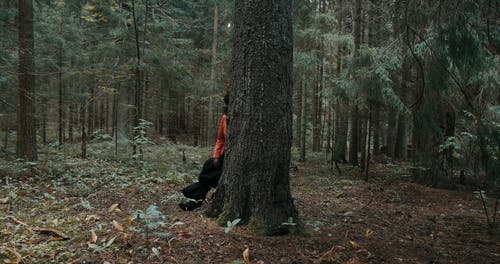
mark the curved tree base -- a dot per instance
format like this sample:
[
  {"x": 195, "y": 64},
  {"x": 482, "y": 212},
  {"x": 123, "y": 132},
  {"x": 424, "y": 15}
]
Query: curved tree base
[{"x": 268, "y": 219}]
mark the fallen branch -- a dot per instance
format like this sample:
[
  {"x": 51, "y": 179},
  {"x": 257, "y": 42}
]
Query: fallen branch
[
  {"x": 46, "y": 231},
  {"x": 17, "y": 255},
  {"x": 49, "y": 231}
]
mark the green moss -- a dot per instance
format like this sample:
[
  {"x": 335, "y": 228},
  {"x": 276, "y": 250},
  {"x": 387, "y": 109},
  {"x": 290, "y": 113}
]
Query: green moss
[
  {"x": 262, "y": 227},
  {"x": 222, "y": 219}
]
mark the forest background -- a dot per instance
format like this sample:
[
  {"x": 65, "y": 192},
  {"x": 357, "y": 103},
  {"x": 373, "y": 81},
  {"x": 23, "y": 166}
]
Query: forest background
[{"x": 374, "y": 81}]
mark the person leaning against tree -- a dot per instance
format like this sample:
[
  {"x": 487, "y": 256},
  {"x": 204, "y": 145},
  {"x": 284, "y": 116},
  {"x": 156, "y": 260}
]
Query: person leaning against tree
[{"x": 212, "y": 168}]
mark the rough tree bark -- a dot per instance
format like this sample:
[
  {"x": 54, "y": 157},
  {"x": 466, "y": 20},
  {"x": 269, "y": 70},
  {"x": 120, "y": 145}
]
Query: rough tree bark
[
  {"x": 341, "y": 106},
  {"x": 26, "y": 134},
  {"x": 255, "y": 183}
]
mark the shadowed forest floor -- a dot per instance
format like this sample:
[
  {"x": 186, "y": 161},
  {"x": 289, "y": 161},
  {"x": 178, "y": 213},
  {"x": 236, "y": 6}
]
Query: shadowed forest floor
[{"x": 116, "y": 210}]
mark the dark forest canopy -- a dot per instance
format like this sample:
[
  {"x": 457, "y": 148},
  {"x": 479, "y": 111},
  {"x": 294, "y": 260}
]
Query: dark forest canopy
[{"x": 408, "y": 80}]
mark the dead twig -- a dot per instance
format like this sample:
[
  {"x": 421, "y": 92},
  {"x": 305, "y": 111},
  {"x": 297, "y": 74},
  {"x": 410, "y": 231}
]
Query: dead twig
[
  {"x": 41, "y": 230},
  {"x": 16, "y": 254},
  {"x": 370, "y": 201}
]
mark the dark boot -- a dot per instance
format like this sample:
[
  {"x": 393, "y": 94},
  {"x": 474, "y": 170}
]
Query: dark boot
[{"x": 190, "y": 205}]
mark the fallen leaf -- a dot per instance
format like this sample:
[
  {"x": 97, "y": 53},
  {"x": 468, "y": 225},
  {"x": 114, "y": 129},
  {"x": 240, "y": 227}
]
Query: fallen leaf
[
  {"x": 91, "y": 217},
  {"x": 126, "y": 237},
  {"x": 118, "y": 226},
  {"x": 93, "y": 236},
  {"x": 4, "y": 200},
  {"x": 110, "y": 242},
  {"x": 246, "y": 256},
  {"x": 92, "y": 246},
  {"x": 113, "y": 207},
  {"x": 176, "y": 224},
  {"x": 52, "y": 232},
  {"x": 369, "y": 233},
  {"x": 331, "y": 254},
  {"x": 354, "y": 244}
]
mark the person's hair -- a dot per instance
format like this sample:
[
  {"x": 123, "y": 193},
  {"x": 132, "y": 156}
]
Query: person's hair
[{"x": 226, "y": 103}]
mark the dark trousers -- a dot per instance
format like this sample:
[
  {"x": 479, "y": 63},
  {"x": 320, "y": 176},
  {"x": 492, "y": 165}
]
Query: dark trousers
[{"x": 208, "y": 178}]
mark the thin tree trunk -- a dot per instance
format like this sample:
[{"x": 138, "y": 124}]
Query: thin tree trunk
[
  {"x": 210, "y": 119},
  {"x": 137, "y": 92},
  {"x": 400, "y": 147},
  {"x": 362, "y": 138},
  {"x": 123, "y": 112},
  {"x": 341, "y": 108},
  {"x": 353, "y": 142},
  {"x": 84, "y": 134},
  {"x": 391, "y": 132},
  {"x": 317, "y": 106},
  {"x": 71, "y": 121},
  {"x": 375, "y": 124},
  {"x": 103, "y": 113},
  {"x": 61, "y": 100},
  {"x": 303, "y": 122},
  {"x": 106, "y": 114},
  {"x": 367, "y": 148},
  {"x": 90, "y": 111},
  {"x": 44, "y": 120},
  {"x": 6, "y": 131},
  {"x": 26, "y": 134},
  {"x": 115, "y": 118},
  {"x": 298, "y": 109},
  {"x": 329, "y": 125}
]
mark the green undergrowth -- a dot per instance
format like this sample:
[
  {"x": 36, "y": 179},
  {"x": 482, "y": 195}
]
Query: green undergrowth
[{"x": 112, "y": 195}]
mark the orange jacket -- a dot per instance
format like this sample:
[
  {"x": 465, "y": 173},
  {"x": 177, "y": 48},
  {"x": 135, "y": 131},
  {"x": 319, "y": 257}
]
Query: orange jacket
[{"x": 221, "y": 138}]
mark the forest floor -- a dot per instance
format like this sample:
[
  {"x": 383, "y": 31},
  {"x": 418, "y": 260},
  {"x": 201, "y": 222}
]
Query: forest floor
[{"x": 111, "y": 209}]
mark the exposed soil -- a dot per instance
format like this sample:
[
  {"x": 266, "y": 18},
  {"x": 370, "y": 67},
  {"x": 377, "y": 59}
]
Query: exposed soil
[{"x": 390, "y": 219}]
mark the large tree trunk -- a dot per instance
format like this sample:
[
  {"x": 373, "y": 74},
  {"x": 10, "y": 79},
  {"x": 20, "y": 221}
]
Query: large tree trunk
[
  {"x": 26, "y": 134},
  {"x": 255, "y": 183}
]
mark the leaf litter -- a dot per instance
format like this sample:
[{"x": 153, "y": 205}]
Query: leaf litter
[{"x": 111, "y": 209}]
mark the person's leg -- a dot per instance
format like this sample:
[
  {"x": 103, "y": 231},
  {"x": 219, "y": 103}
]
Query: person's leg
[
  {"x": 190, "y": 205},
  {"x": 196, "y": 194}
]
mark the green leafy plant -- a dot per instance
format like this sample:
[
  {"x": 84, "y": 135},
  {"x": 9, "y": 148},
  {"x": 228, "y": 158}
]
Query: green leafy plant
[
  {"x": 153, "y": 219},
  {"x": 230, "y": 225},
  {"x": 141, "y": 130}
]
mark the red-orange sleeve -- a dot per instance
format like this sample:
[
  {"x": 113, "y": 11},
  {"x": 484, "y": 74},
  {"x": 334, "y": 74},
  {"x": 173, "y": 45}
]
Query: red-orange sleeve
[{"x": 221, "y": 138}]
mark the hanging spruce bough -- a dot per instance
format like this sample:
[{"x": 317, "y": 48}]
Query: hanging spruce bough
[
  {"x": 140, "y": 135},
  {"x": 255, "y": 183}
]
